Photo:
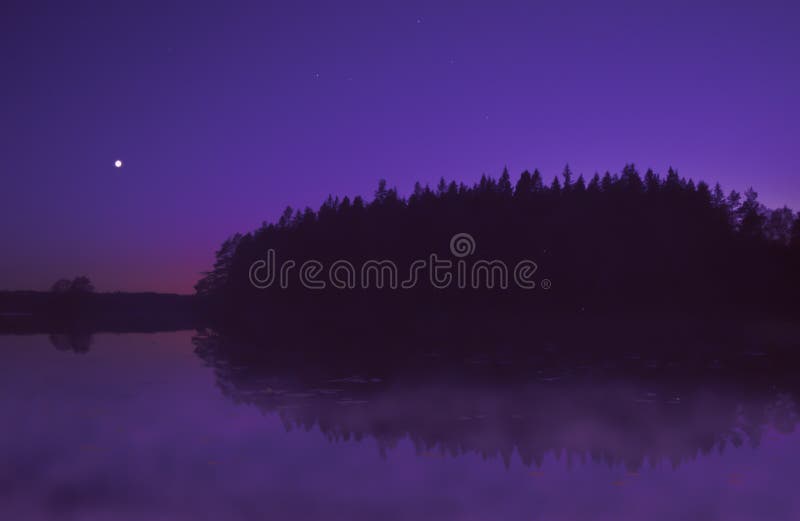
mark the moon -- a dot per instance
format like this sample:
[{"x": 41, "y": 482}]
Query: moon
[{"x": 118, "y": 163}]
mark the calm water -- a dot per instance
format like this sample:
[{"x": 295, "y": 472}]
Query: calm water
[{"x": 151, "y": 427}]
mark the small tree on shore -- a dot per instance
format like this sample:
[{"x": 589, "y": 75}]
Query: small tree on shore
[
  {"x": 61, "y": 286},
  {"x": 80, "y": 284}
]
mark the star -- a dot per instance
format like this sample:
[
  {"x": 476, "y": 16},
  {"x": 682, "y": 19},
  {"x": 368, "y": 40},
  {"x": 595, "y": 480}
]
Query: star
[{"x": 118, "y": 163}]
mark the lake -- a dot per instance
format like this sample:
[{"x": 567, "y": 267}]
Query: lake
[{"x": 169, "y": 426}]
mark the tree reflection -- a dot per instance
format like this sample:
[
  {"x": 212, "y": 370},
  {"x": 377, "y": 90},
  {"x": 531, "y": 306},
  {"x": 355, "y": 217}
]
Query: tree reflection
[
  {"x": 76, "y": 342},
  {"x": 620, "y": 412}
]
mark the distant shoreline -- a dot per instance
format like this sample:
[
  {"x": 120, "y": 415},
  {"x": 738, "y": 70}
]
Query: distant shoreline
[{"x": 28, "y": 312}]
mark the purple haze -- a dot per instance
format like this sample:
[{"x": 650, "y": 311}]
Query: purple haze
[
  {"x": 224, "y": 116},
  {"x": 139, "y": 428}
]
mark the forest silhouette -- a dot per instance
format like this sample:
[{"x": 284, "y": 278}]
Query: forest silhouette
[{"x": 613, "y": 243}]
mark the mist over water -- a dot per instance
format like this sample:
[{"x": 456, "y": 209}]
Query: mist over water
[{"x": 190, "y": 425}]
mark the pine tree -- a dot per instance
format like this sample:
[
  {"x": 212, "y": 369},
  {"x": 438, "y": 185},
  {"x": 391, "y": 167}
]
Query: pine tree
[
  {"x": 286, "y": 217},
  {"x": 381, "y": 193},
  {"x": 555, "y": 186},
  {"x": 580, "y": 185},
  {"x": 524, "y": 186},
  {"x": 594, "y": 184},
  {"x": 652, "y": 183},
  {"x": 567, "y": 175},
  {"x": 537, "y": 185},
  {"x": 630, "y": 179},
  {"x": 718, "y": 197},
  {"x": 752, "y": 218},
  {"x": 673, "y": 182},
  {"x": 504, "y": 184},
  {"x": 216, "y": 281},
  {"x": 441, "y": 188},
  {"x": 703, "y": 193},
  {"x": 607, "y": 183}
]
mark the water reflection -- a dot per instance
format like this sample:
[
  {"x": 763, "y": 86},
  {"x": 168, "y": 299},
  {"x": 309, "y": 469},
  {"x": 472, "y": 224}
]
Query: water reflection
[
  {"x": 194, "y": 425},
  {"x": 76, "y": 342},
  {"x": 622, "y": 412}
]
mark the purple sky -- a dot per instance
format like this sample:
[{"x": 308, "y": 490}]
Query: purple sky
[{"x": 223, "y": 116}]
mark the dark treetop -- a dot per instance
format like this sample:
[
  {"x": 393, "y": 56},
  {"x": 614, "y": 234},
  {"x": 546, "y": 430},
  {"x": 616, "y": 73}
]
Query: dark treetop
[{"x": 615, "y": 242}]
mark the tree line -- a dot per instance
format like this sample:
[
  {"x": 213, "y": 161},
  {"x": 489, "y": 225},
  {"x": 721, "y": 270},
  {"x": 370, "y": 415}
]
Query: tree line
[{"x": 615, "y": 241}]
